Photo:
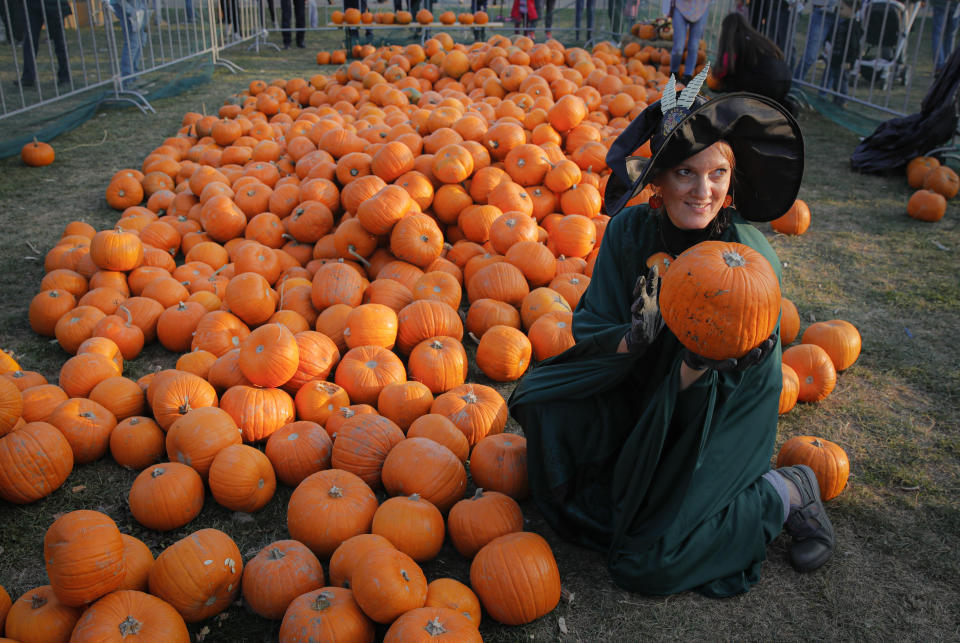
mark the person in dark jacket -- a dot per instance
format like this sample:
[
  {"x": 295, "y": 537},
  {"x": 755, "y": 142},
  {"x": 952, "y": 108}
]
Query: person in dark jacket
[
  {"x": 51, "y": 13},
  {"x": 748, "y": 61},
  {"x": 636, "y": 446},
  {"x": 298, "y": 8}
]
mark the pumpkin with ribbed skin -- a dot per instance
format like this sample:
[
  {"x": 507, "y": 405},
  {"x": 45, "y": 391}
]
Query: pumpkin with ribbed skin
[
  {"x": 87, "y": 427},
  {"x": 426, "y": 318},
  {"x": 815, "y": 370},
  {"x": 499, "y": 463},
  {"x": 318, "y": 357},
  {"x": 475, "y": 521},
  {"x": 34, "y": 461},
  {"x": 439, "y": 362},
  {"x": 827, "y": 459},
  {"x": 280, "y": 572},
  {"x": 425, "y": 467},
  {"x": 362, "y": 444},
  {"x": 81, "y": 373},
  {"x": 297, "y": 450},
  {"x": 452, "y": 594},
  {"x": 166, "y": 496},
  {"x": 37, "y": 153},
  {"x": 131, "y": 613},
  {"x": 317, "y": 400},
  {"x": 197, "y": 437},
  {"x": 504, "y": 353},
  {"x": 476, "y": 409},
  {"x": 116, "y": 250},
  {"x": 258, "y": 411},
  {"x": 432, "y": 624},
  {"x": 47, "y": 307},
  {"x": 796, "y": 220},
  {"x": 345, "y": 501},
  {"x": 199, "y": 575},
  {"x": 926, "y": 205},
  {"x": 388, "y": 583},
  {"x": 721, "y": 299},
  {"x": 404, "y": 402},
  {"x": 516, "y": 578},
  {"x": 790, "y": 390},
  {"x": 412, "y": 524},
  {"x": 120, "y": 395},
  {"x": 839, "y": 338},
  {"x": 137, "y": 561},
  {"x": 83, "y": 553},
  {"x": 442, "y": 431},
  {"x": 789, "y": 321},
  {"x": 11, "y": 405},
  {"x": 176, "y": 395},
  {"x": 365, "y": 370},
  {"x": 39, "y": 616},
  {"x": 269, "y": 356},
  {"x": 350, "y": 552},
  {"x": 241, "y": 478},
  {"x": 327, "y": 614}
]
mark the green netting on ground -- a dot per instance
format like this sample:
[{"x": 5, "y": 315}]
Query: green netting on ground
[
  {"x": 852, "y": 116},
  {"x": 46, "y": 122}
]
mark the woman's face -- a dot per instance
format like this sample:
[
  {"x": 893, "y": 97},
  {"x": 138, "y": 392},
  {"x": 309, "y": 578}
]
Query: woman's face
[{"x": 693, "y": 191}]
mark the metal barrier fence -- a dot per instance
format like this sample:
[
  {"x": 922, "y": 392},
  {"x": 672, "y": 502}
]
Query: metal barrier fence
[
  {"x": 57, "y": 49},
  {"x": 877, "y": 54},
  {"x": 870, "y": 53}
]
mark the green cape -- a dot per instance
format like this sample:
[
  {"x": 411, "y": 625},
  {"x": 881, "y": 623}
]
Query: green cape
[{"x": 620, "y": 460}]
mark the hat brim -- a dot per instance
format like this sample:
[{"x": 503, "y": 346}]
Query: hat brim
[{"x": 767, "y": 146}]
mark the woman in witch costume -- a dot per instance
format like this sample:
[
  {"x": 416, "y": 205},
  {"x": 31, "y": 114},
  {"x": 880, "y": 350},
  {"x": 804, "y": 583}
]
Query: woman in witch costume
[{"x": 636, "y": 446}]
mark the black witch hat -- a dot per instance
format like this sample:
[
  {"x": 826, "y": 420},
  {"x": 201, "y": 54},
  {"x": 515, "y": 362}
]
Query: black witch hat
[{"x": 766, "y": 140}]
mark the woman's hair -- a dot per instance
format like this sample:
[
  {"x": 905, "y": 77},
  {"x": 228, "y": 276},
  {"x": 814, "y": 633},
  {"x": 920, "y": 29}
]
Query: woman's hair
[{"x": 741, "y": 44}]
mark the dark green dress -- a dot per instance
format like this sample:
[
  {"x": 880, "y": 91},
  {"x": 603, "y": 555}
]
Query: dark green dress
[{"x": 666, "y": 482}]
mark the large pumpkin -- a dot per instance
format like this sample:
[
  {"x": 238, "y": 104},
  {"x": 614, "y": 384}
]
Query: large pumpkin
[
  {"x": 166, "y": 496},
  {"x": 199, "y": 575},
  {"x": 516, "y": 578},
  {"x": 827, "y": 459},
  {"x": 327, "y": 614},
  {"x": 83, "y": 552},
  {"x": 134, "y": 614},
  {"x": 721, "y": 299},
  {"x": 34, "y": 461},
  {"x": 344, "y": 500}
]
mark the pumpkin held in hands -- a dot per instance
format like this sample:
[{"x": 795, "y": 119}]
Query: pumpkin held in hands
[{"x": 721, "y": 299}]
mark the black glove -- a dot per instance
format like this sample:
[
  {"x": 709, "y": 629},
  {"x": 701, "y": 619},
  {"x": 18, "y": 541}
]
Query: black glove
[
  {"x": 646, "y": 322},
  {"x": 732, "y": 364}
]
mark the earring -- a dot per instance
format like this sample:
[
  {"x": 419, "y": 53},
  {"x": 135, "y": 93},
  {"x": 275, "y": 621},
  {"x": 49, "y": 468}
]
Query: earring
[
  {"x": 655, "y": 201},
  {"x": 727, "y": 200}
]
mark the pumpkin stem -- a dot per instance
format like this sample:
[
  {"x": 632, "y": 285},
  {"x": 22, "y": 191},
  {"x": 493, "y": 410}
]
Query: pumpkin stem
[
  {"x": 322, "y": 601},
  {"x": 37, "y": 601},
  {"x": 275, "y": 554},
  {"x": 817, "y": 443},
  {"x": 358, "y": 257},
  {"x": 88, "y": 414},
  {"x": 130, "y": 317},
  {"x": 185, "y": 407},
  {"x": 415, "y": 496},
  {"x": 473, "y": 337},
  {"x": 435, "y": 627},
  {"x": 404, "y": 575},
  {"x": 733, "y": 259},
  {"x": 156, "y": 473},
  {"x": 469, "y": 398},
  {"x": 478, "y": 494},
  {"x": 335, "y": 492},
  {"x": 129, "y": 626},
  {"x": 436, "y": 344}
]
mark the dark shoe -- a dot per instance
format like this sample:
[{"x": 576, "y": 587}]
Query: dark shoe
[
  {"x": 286, "y": 45},
  {"x": 685, "y": 79},
  {"x": 63, "y": 79},
  {"x": 808, "y": 524},
  {"x": 26, "y": 82},
  {"x": 300, "y": 45}
]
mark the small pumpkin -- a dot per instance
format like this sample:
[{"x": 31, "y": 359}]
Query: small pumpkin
[
  {"x": 388, "y": 583},
  {"x": 37, "y": 153},
  {"x": 83, "y": 553},
  {"x": 426, "y": 624},
  {"x": 327, "y": 614},
  {"x": 827, "y": 459},
  {"x": 794, "y": 221},
  {"x": 815, "y": 370},
  {"x": 511, "y": 562},
  {"x": 166, "y": 496},
  {"x": 131, "y": 613},
  {"x": 346, "y": 502},
  {"x": 839, "y": 338},
  {"x": 280, "y": 572},
  {"x": 412, "y": 524}
]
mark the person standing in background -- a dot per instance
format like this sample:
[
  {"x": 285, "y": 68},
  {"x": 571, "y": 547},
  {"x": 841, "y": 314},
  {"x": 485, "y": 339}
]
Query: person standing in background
[
  {"x": 823, "y": 16},
  {"x": 946, "y": 19},
  {"x": 579, "y": 8},
  {"x": 133, "y": 25},
  {"x": 51, "y": 12},
  {"x": 689, "y": 18},
  {"x": 748, "y": 61},
  {"x": 299, "y": 14}
]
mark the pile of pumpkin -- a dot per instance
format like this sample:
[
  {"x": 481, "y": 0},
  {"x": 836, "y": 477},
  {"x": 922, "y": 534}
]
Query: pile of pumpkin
[
  {"x": 328, "y": 229},
  {"x": 934, "y": 184},
  {"x": 656, "y": 29},
  {"x": 423, "y": 17}
]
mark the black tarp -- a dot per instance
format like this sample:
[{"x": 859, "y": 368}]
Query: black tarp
[{"x": 891, "y": 146}]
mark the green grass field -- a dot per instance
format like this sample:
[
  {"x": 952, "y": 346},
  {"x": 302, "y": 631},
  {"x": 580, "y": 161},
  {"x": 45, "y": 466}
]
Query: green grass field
[{"x": 893, "y": 576}]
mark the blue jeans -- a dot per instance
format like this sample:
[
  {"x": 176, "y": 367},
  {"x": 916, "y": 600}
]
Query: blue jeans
[
  {"x": 188, "y": 7},
  {"x": 133, "y": 25},
  {"x": 945, "y": 22},
  {"x": 821, "y": 25},
  {"x": 680, "y": 27},
  {"x": 578, "y": 13}
]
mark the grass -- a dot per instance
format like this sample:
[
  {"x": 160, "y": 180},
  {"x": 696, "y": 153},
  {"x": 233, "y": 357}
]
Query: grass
[{"x": 895, "y": 411}]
